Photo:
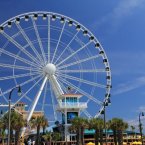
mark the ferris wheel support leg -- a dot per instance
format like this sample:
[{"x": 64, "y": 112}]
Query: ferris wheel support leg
[
  {"x": 34, "y": 104},
  {"x": 56, "y": 87}
]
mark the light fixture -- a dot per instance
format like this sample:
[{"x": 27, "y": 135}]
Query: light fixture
[
  {"x": 19, "y": 91},
  {"x": 101, "y": 52},
  {"x": 107, "y": 69},
  {"x": 26, "y": 18},
  {"x": 78, "y": 27},
  {"x": 9, "y": 24},
  {"x": 97, "y": 45},
  {"x": 105, "y": 60},
  {"x": 62, "y": 20},
  {"x": 17, "y": 20},
  {"x": 53, "y": 17},
  {"x": 44, "y": 16},
  {"x": 91, "y": 38},
  {"x": 109, "y": 86},
  {"x": 106, "y": 103},
  {"x": 109, "y": 101},
  {"x": 85, "y": 32},
  {"x": 35, "y": 16},
  {"x": 108, "y": 77},
  {"x": 1, "y": 29},
  {"x": 70, "y": 23},
  {"x": 107, "y": 95},
  {"x": 102, "y": 111}
]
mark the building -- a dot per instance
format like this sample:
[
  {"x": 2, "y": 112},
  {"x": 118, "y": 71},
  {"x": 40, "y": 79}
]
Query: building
[{"x": 20, "y": 107}]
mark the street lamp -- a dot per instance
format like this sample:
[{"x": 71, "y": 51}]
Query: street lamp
[
  {"x": 105, "y": 104},
  {"x": 140, "y": 125},
  {"x": 9, "y": 114},
  {"x": 1, "y": 113}
]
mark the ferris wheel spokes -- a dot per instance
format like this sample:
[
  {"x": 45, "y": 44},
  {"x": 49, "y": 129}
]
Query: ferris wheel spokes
[
  {"x": 29, "y": 42},
  {"x": 83, "y": 81},
  {"x": 48, "y": 39},
  {"x": 17, "y": 57},
  {"x": 78, "y": 62},
  {"x": 75, "y": 52},
  {"x": 82, "y": 92},
  {"x": 20, "y": 47},
  {"x": 66, "y": 47},
  {"x": 58, "y": 42},
  {"x": 39, "y": 40}
]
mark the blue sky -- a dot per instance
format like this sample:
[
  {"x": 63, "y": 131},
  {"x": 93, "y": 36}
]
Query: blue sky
[{"x": 120, "y": 27}]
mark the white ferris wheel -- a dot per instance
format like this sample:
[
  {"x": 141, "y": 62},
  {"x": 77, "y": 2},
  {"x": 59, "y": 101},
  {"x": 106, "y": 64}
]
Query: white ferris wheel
[{"x": 47, "y": 54}]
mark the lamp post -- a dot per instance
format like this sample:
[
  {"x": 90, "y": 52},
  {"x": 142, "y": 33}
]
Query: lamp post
[
  {"x": 1, "y": 114},
  {"x": 105, "y": 104},
  {"x": 140, "y": 126},
  {"x": 9, "y": 114},
  {"x": 1, "y": 118}
]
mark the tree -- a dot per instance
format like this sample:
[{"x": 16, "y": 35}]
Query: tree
[
  {"x": 2, "y": 131},
  {"x": 78, "y": 125},
  {"x": 97, "y": 124},
  {"x": 47, "y": 137},
  {"x": 56, "y": 136},
  {"x": 133, "y": 130},
  {"x": 39, "y": 123},
  {"x": 44, "y": 124},
  {"x": 17, "y": 122},
  {"x": 118, "y": 126}
]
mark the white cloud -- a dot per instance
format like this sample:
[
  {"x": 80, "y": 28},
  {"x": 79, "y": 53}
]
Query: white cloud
[
  {"x": 122, "y": 10},
  {"x": 125, "y": 8},
  {"x": 129, "y": 86}
]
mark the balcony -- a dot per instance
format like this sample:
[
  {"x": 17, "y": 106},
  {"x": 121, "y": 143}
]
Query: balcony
[{"x": 71, "y": 105}]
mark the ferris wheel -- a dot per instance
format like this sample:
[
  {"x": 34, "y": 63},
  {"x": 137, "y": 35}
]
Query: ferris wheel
[{"x": 49, "y": 54}]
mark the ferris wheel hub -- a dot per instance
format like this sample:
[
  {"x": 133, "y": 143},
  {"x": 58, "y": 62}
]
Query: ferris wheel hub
[{"x": 49, "y": 69}]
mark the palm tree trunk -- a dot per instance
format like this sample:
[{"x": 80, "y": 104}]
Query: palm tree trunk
[
  {"x": 43, "y": 130},
  {"x": 96, "y": 137},
  {"x": 38, "y": 135},
  {"x": 17, "y": 134},
  {"x": 120, "y": 137},
  {"x": 11, "y": 135},
  {"x": 78, "y": 137},
  {"x": 3, "y": 142},
  {"x": 82, "y": 136},
  {"x": 115, "y": 137},
  {"x": 3, "y": 136},
  {"x": 101, "y": 136}
]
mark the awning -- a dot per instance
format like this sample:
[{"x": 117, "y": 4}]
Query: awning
[
  {"x": 90, "y": 143},
  {"x": 136, "y": 142}
]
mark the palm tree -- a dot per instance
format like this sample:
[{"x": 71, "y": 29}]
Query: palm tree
[
  {"x": 78, "y": 125},
  {"x": 17, "y": 122},
  {"x": 2, "y": 131},
  {"x": 97, "y": 124},
  {"x": 56, "y": 136},
  {"x": 47, "y": 137},
  {"x": 3, "y": 135},
  {"x": 133, "y": 130},
  {"x": 113, "y": 126},
  {"x": 44, "y": 124},
  {"x": 39, "y": 123},
  {"x": 118, "y": 126}
]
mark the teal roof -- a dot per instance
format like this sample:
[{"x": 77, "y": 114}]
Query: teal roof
[{"x": 92, "y": 131}]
